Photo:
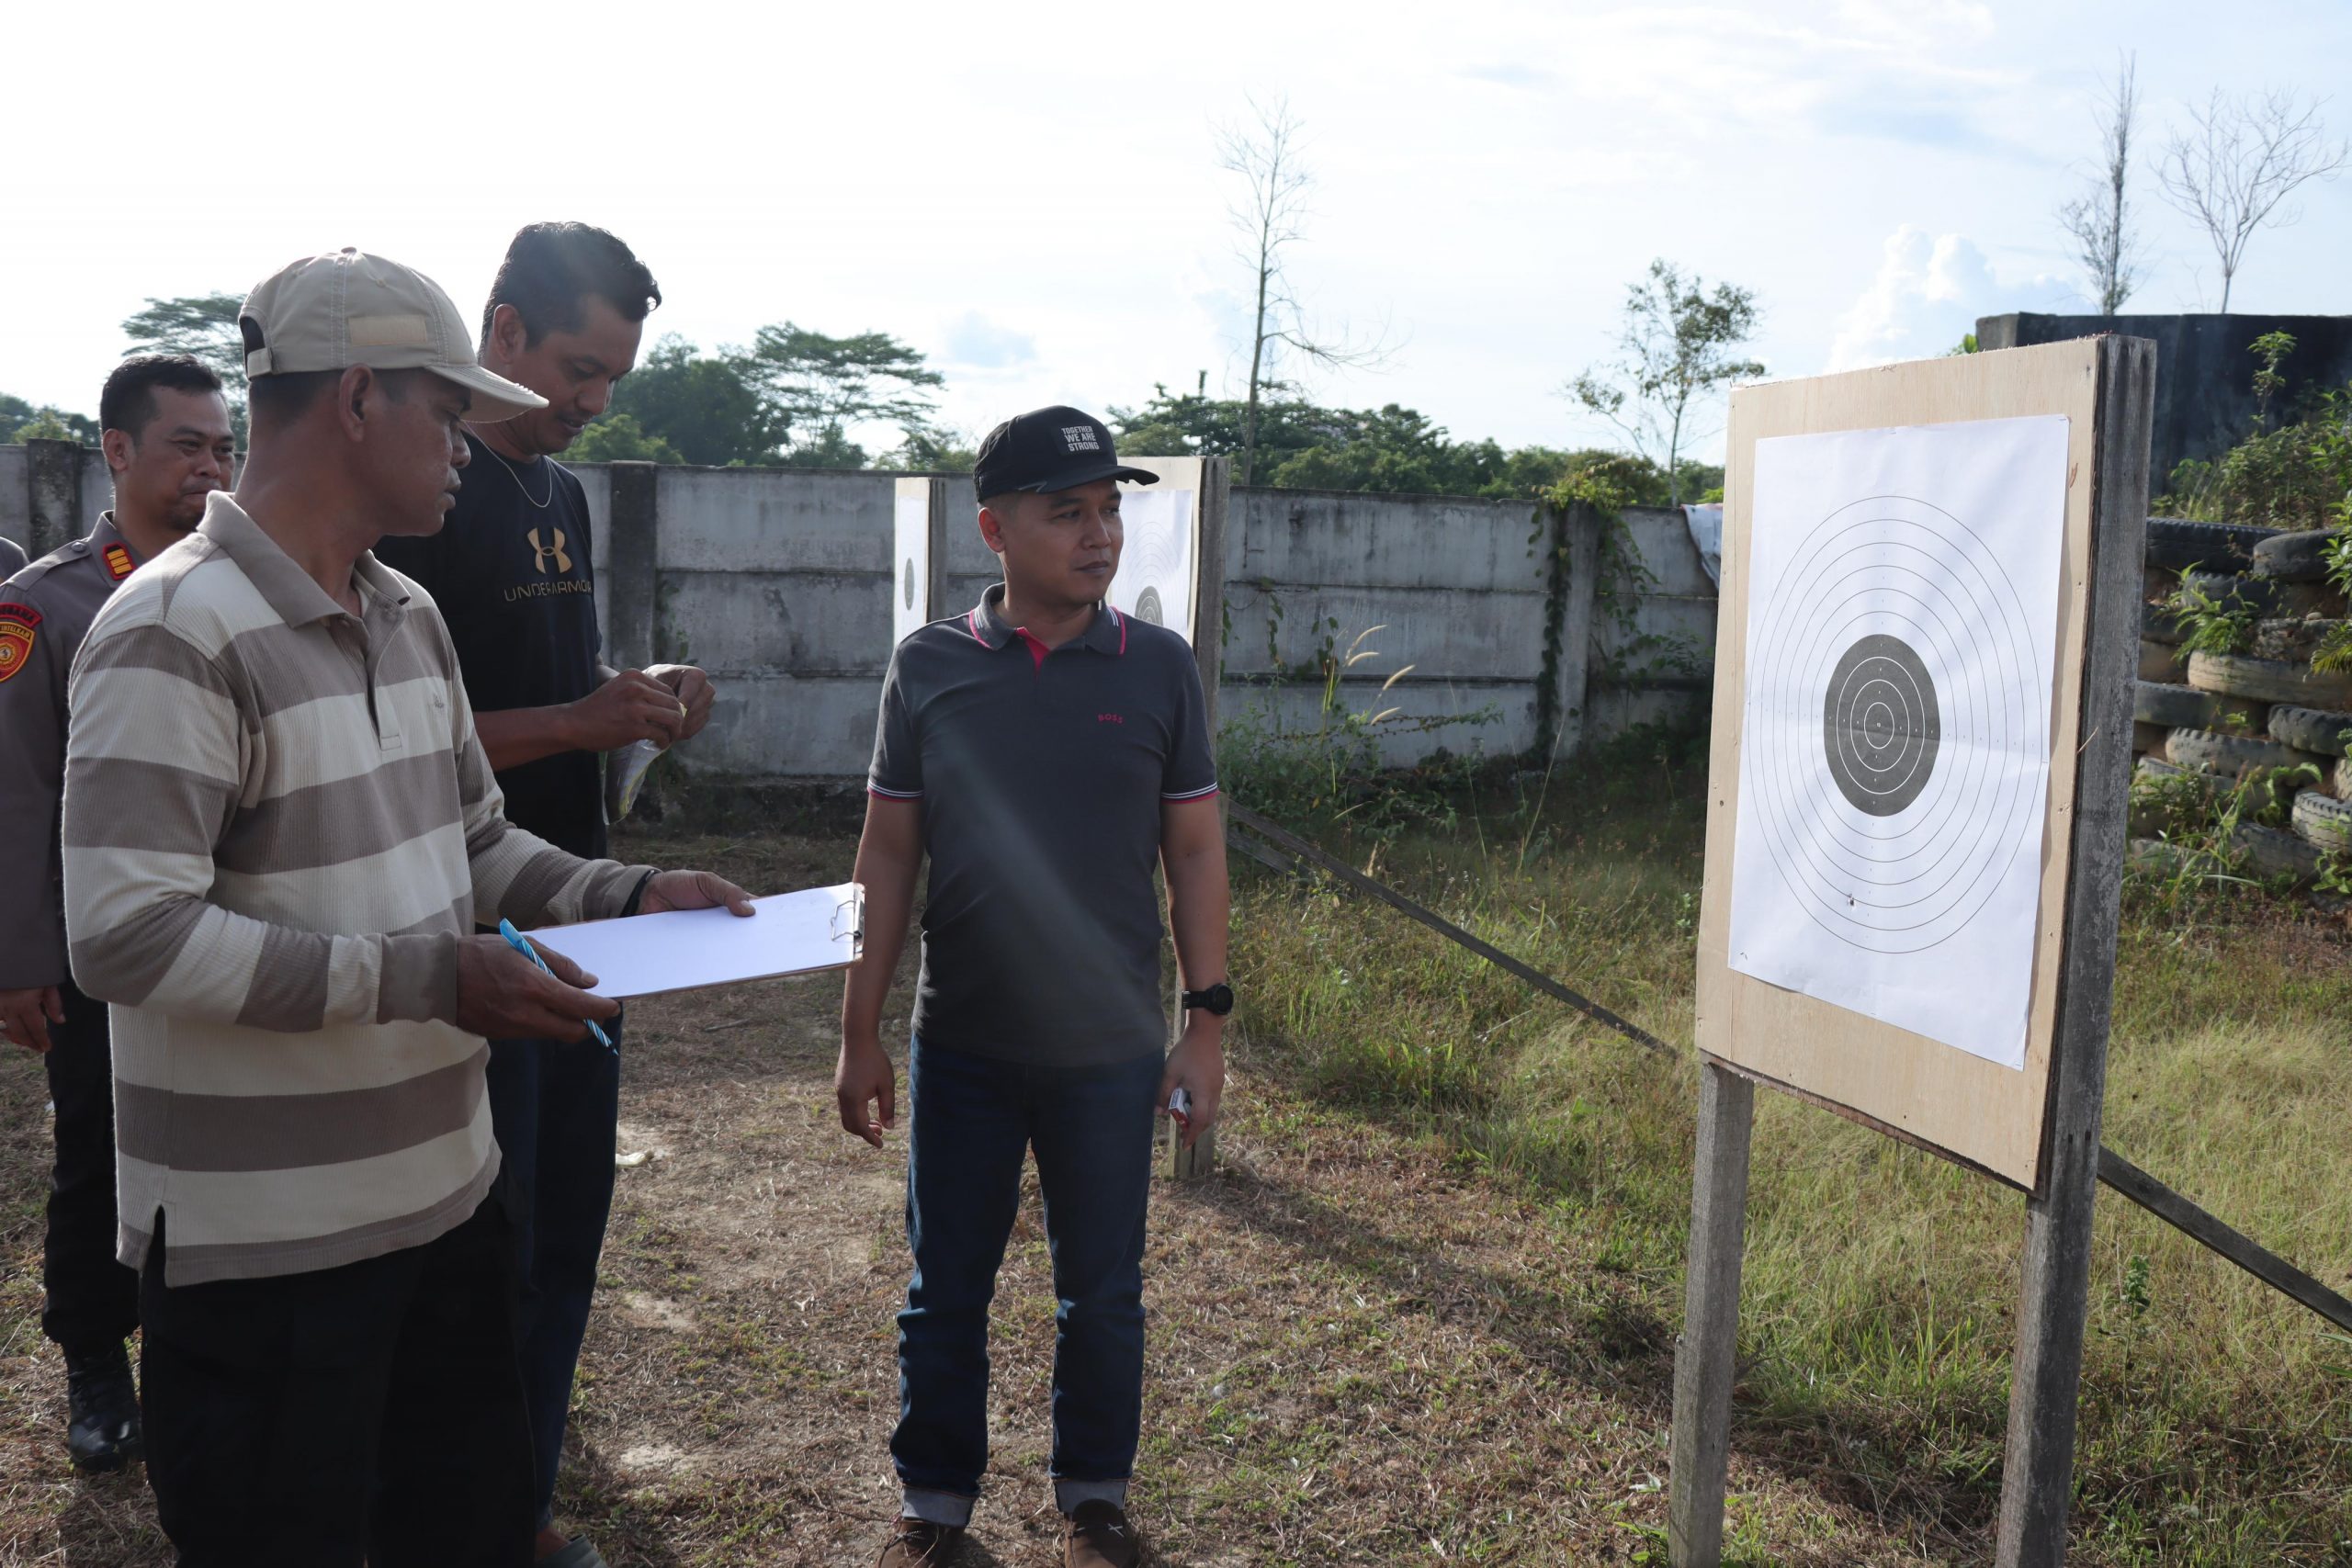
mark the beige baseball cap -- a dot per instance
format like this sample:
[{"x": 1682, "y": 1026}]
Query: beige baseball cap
[{"x": 330, "y": 313}]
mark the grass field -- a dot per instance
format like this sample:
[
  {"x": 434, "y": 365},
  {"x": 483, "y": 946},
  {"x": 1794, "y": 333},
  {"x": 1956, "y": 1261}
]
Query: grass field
[{"x": 1425, "y": 1311}]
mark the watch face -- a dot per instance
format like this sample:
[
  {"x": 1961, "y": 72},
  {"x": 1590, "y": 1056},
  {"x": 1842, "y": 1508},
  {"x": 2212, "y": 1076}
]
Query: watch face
[{"x": 1217, "y": 998}]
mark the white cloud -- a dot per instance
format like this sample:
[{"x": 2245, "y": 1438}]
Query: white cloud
[{"x": 1927, "y": 293}]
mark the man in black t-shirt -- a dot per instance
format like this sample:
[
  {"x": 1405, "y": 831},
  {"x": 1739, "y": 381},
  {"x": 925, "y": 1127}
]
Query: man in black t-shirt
[{"x": 510, "y": 572}]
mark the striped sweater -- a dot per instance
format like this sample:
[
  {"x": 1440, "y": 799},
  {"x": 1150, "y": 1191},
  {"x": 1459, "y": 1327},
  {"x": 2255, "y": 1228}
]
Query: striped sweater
[{"x": 279, "y": 825}]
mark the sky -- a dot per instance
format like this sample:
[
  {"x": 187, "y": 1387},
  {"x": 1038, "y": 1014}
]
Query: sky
[{"x": 1031, "y": 194}]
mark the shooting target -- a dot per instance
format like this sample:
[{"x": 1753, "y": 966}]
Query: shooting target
[
  {"x": 911, "y": 549},
  {"x": 1895, "y": 722},
  {"x": 1155, "y": 580}
]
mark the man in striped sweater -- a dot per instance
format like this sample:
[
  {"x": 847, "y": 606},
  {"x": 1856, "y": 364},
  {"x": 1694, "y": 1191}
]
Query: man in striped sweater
[{"x": 279, "y": 834}]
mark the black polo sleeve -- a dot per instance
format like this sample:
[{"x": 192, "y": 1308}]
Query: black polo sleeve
[
  {"x": 897, "y": 772},
  {"x": 1191, "y": 769}
]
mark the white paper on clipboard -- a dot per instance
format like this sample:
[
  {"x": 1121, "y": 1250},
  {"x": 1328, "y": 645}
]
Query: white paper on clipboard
[{"x": 686, "y": 950}]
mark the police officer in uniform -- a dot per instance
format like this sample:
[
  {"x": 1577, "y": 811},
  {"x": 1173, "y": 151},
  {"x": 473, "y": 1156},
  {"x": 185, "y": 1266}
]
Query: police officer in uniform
[{"x": 168, "y": 441}]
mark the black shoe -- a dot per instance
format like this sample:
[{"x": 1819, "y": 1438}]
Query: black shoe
[{"x": 104, "y": 1434}]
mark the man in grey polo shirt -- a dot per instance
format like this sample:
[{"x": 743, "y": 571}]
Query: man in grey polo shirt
[{"x": 1048, "y": 754}]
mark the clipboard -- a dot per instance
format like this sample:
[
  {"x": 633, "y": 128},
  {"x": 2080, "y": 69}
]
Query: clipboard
[{"x": 693, "y": 950}]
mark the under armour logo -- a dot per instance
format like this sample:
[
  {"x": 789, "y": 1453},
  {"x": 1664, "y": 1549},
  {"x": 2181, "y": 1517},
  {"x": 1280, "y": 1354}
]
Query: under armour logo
[
  {"x": 562, "y": 561},
  {"x": 1080, "y": 438}
]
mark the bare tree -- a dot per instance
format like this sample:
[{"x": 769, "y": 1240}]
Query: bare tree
[
  {"x": 2099, "y": 222},
  {"x": 2245, "y": 157},
  {"x": 1270, "y": 217},
  {"x": 1674, "y": 351}
]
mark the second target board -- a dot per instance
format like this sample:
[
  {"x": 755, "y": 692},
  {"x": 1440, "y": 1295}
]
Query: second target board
[{"x": 1902, "y": 595}]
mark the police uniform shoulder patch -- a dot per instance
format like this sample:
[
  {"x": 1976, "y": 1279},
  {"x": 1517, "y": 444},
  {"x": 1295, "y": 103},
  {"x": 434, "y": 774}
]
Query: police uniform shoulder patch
[
  {"x": 119, "y": 562},
  {"x": 19, "y": 624}
]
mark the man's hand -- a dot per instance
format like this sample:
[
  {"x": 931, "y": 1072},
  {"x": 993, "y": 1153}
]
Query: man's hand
[
  {"x": 693, "y": 691},
  {"x": 1196, "y": 1067},
  {"x": 630, "y": 706},
  {"x": 503, "y": 995},
  {"x": 25, "y": 1015},
  {"x": 866, "y": 1089},
  {"x": 693, "y": 890}
]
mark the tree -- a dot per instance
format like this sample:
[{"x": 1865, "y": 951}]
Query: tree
[
  {"x": 1674, "y": 353},
  {"x": 17, "y": 415},
  {"x": 2243, "y": 159},
  {"x": 619, "y": 438},
  {"x": 1270, "y": 219},
  {"x": 705, "y": 408},
  {"x": 818, "y": 387},
  {"x": 2098, "y": 223},
  {"x": 43, "y": 426},
  {"x": 204, "y": 327}
]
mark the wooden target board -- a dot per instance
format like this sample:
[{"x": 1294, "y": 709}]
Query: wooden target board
[
  {"x": 1911, "y": 551},
  {"x": 1921, "y": 753}
]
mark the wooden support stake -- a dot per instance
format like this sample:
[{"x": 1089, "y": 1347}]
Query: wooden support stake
[
  {"x": 1208, "y": 656},
  {"x": 1705, "y": 1356},
  {"x": 2037, "y": 1484}
]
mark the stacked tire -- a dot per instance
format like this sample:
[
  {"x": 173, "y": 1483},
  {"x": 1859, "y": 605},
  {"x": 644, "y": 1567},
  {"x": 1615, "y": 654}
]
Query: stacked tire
[{"x": 2262, "y": 714}]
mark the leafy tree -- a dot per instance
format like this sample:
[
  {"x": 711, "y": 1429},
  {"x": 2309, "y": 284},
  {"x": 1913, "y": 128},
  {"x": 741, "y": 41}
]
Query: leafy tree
[
  {"x": 932, "y": 451},
  {"x": 619, "y": 438},
  {"x": 818, "y": 387},
  {"x": 43, "y": 426},
  {"x": 203, "y": 326},
  {"x": 2099, "y": 222},
  {"x": 705, "y": 408},
  {"x": 1675, "y": 351},
  {"x": 16, "y": 414},
  {"x": 1392, "y": 449}
]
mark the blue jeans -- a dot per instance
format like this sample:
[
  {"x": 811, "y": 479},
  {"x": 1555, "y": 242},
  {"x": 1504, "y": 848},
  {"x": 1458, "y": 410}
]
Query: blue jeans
[
  {"x": 974, "y": 1118},
  {"x": 555, "y": 1107}
]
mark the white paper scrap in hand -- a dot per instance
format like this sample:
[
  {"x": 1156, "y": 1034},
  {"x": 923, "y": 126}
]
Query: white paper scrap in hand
[
  {"x": 686, "y": 949},
  {"x": 1894, "y": 746}
]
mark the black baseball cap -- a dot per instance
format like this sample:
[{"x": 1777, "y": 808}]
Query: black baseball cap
[{"x": 1049, "y": 449}]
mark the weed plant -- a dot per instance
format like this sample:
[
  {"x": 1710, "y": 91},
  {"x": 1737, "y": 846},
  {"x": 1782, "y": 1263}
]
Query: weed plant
[{"x": 1882, "y": 1281}]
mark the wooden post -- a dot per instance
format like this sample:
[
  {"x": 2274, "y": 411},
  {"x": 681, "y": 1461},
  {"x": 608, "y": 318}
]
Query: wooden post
[
  {"x": 936, "y": 588},
  {"x": 1208, "y": 655},
  {"x": 1705, "y": 1356},
  {"x": 2037, "y": 1483}
]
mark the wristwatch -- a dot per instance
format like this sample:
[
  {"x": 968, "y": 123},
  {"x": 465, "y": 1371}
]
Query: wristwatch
[{"x": 1217, "y": 998}]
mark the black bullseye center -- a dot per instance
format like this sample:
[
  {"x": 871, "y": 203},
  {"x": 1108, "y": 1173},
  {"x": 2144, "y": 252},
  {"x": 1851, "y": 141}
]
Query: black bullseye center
[{"x": 1881, "y": 725}]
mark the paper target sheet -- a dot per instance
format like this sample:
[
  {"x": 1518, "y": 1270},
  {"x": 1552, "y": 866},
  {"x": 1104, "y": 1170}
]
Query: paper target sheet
[
  {"x": 1894, "y": 762},
  {"x": 1155, "y": 580}
]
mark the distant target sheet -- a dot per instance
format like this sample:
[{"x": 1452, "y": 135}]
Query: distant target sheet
[{"x": 1894, "y": 763}]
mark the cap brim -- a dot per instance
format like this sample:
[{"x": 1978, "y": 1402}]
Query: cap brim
[
  {"x": 1070, "y": 478},
  {"x": 495, "y": 396}
]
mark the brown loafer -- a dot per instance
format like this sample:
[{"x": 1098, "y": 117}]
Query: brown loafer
[
  {"x": 1100, "y": 1536},
  {"x": 918, "y": 1543}
]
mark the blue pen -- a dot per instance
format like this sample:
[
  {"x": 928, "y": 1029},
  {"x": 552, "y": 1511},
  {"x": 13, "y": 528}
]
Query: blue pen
[{"x": 514, "y": 939}]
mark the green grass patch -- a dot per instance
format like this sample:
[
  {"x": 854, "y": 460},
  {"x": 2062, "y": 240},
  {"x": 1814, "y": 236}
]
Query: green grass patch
[{"x": 1880, "y": 1281}]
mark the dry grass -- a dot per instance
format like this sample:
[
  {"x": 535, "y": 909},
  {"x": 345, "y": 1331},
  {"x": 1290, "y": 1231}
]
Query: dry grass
[{"x": 1423, "y": 1312}]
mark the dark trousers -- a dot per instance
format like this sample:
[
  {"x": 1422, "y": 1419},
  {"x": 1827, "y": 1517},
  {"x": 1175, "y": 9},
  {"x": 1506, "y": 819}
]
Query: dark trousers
[
  {"x": 555, "y": 1107},
  {"x": 974, "y": 1119},
  {"x": 93, "y": 1300},
  {"x": 366, "y": 1412}
]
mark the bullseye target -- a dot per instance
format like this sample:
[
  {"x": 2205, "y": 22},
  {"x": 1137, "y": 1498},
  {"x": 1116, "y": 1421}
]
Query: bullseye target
[{"x": 1896, "y": 734}]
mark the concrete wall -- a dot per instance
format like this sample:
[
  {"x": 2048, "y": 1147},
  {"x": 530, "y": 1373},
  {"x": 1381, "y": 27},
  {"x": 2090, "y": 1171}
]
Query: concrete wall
[
  {"x": 2204, "y": 370},
  {"x": 777, "y": 582}
]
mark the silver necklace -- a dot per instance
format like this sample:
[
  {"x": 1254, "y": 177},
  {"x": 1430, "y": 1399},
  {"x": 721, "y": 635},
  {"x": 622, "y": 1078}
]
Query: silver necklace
[{"x": 516, "y": 475}]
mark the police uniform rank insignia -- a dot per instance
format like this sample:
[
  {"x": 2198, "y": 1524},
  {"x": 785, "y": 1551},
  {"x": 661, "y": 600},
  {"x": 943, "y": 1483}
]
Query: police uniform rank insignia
[
  {"x": 18, "y": 626},
  {"x": 119, "y": 562}
]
